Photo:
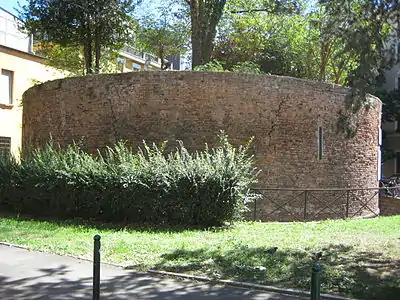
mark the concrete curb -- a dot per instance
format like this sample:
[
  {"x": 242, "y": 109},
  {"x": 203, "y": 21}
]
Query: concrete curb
[
  {"x": 62, "y": 255},
  {"x": 246, "y": 285},
  {"x": 15, "y": 246}
]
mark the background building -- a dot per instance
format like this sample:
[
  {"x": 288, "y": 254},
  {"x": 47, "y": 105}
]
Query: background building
[
  {"x": 132, "y": 59},
  {"x": 392, "y": 82},
  {"x": 20, "y": 69}
]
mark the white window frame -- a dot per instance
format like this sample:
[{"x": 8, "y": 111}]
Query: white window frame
[{"x": 10, "y": 87}]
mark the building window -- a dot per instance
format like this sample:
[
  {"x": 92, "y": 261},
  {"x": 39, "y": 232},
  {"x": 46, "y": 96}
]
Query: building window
[
  {"x": 5, "y": 146},
  {"x": 320, "y": 142},
  {"x": 121, "y": 64},
  {"x": 135, "y": 67},
  {"x": 397, "y": 163},
  {"x": 398, "y": 83},
  {"x": 6, "y": 86}
]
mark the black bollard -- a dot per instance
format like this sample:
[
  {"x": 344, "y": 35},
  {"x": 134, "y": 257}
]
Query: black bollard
[
  {"x": 96, "y": 268},
  {"x": 315, "y": 282}
]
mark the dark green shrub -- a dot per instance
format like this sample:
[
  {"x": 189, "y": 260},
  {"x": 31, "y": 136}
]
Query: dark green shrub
[{"x": 204, "y": 188}]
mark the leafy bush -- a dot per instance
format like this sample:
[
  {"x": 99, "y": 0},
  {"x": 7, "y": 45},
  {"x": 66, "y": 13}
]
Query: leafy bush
[
  {"x": 241, "y": 67},
  {"x": 204, "y": 188},
  {"x": 247, "y": 67},
  {"x": 212, "y": 66}
]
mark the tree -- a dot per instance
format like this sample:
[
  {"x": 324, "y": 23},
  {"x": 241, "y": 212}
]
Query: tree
[
  {"x": 364, "y": 27},
  {"x": 94, "y": 25},
  {"x": 390, "y": 113},
  {"x": 241, "y": 67},
  {"x": 163, "y": 36},
  {"x": 205, "y": 16},
  {"x": 284, "y": 38},
  {"x": 68, "y": 58},
  {"x": 333, "y": 63}
]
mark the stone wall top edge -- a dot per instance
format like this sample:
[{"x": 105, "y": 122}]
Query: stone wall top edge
[
  {"x": 286, "y": 81},
  {"x": 200, "y": 74}
]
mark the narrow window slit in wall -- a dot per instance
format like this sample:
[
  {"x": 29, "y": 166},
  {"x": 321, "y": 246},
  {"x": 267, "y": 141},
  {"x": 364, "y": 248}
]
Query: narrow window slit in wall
[{"x": 320, "y": 143}]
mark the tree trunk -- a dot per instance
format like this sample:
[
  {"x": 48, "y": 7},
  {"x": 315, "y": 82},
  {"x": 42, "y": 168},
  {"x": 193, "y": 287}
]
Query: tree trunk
[
  {"x": 195, "y": 33},
  {"x": 325, "y": 55},
  {"x": 161, "y": 56},
  {"x": 210, "y": 20},
  {"x": 196, "y": 48},
  {"x": 205, "y": 16},
  {"x": 339, "y": 71},
  {"x": 207, "y": 47},
  {"x": 87, "y": 49}
]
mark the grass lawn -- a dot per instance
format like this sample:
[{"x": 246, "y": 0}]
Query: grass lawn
[{"x": 361, "y": 258}]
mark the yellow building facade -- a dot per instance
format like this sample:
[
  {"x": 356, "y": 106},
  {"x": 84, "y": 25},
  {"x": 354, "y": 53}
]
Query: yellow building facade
[{"x": 20, "y": 69}]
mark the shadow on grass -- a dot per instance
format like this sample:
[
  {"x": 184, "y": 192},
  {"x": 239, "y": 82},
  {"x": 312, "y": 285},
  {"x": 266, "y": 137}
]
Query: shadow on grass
[
  {"x": 114, "y": 226},
  {"x": 347, "y": 272}
]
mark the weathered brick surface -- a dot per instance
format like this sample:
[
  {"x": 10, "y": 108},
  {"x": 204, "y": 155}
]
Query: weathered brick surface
[
  {"x": 389, "y": 206},
  {"x": 282, "y": 113}
]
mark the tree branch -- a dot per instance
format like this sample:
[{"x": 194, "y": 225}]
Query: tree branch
[{"x": 247, "y": 11}]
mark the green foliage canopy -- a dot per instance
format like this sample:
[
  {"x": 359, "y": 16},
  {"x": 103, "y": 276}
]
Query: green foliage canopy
[
  {"x": 93, "y": 25},
  {"x": 284, "y": 38},
  {"x": 165, "y": 35}
]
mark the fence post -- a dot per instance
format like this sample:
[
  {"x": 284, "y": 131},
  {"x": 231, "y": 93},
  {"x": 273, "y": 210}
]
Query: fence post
[
  {"x": 347, "y": 202},
  {"x": 305, "y": 204},
  {"x": 315, "y": 282},
  {"x": 96, "y": 268}
]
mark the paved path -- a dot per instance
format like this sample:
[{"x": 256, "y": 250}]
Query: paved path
[{"x": 33, "y": 275}]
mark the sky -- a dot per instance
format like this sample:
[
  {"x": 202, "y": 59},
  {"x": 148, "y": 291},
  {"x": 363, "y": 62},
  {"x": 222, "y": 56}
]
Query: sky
[
  {"x": 11, "y": 4},
  {"x": 144, "y": 9},
  {"x": 148, "y": 6}
]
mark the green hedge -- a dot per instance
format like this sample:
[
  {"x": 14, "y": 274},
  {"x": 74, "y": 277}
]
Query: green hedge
[{"x": 204, "y": 188}]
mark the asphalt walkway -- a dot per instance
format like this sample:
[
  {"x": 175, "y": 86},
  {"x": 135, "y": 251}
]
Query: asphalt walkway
[{"x": 34, "y": 275}]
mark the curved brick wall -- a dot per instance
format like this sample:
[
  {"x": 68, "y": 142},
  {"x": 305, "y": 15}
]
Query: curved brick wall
[{"x": 282, "y": 113}]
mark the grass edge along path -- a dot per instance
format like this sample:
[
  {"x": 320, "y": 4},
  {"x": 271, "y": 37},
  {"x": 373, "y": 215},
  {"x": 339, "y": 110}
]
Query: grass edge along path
[{"x": 361, "y": 258}]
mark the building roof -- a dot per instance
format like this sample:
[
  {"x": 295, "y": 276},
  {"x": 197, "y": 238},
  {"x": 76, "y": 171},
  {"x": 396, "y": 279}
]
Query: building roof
[
  {"x": 5, "y": 10},
  {"x": 9, "y": 50}
]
